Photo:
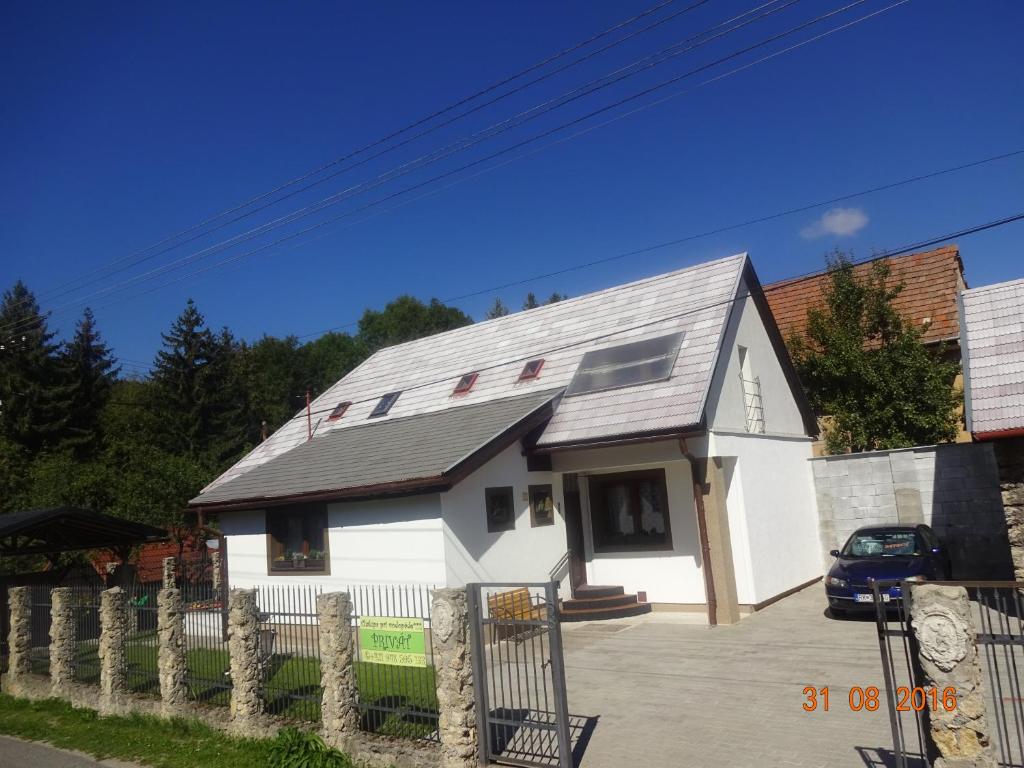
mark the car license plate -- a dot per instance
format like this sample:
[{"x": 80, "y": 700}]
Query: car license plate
[{"x": 862, "y": 598}]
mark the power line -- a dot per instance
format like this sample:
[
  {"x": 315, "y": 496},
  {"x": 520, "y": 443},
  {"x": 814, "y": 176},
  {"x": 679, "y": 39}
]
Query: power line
[
  {"x": 513, "y": 147},
  {"x": 465, "y": 143},
  {"x": 411, "y": 126}
]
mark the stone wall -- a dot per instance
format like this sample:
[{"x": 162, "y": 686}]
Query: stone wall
[
  {"x": 1010, "y": 461},
  {"x": 952, "y": 488}
]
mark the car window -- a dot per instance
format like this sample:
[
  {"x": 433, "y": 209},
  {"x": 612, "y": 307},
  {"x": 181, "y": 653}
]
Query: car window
[
  {"x": 884, "y": 544},
  {"x": 930, "y": 539}
]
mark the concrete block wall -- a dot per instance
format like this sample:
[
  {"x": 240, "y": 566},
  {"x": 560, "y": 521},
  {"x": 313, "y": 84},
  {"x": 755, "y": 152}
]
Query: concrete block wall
[{"x": 953, "y": 488}]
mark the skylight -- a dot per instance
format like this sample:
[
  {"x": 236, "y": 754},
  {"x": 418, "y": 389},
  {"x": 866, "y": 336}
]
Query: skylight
[
  {"x": 639, "y": 362},
  {"x": 339, "y": 410},
  {"x": 465, "y": 383},
  {"x": 384, "y": 404},
  {"x": 532, "y": 369}
]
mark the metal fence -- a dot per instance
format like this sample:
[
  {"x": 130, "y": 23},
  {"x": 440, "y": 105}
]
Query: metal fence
[
  {"x": 997, "y": 610},
  {"x": 396, "y": 700},
  {"x": 143, "y": 644},
  {"x": 40, "y": 653},
  {"x": 290, "y": 645},
  {"x": 85, "y": 607},
  {"x": 207, "y": 662}
]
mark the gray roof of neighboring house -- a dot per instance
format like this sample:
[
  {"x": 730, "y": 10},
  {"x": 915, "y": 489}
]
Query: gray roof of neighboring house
[
  {"x": 417, "y": 452},
  {"x": 992, "y": 348}
]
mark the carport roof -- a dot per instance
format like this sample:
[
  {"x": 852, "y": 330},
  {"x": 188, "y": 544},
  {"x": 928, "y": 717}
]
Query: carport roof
[{"x": 65, "y": 529}]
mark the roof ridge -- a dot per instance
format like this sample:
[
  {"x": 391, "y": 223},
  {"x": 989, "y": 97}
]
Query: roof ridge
[{"x": 899, "y": 258}]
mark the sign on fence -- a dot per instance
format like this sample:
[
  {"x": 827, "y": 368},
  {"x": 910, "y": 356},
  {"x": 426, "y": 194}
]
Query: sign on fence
[{"x": 391, "y": 640}]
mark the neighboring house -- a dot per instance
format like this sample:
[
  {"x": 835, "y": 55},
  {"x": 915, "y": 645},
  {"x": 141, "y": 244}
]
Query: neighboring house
[
  {"x": 652, "y": 436},
  {"x": 993, "y": 363},
  {"x": 931, "y": 281}
]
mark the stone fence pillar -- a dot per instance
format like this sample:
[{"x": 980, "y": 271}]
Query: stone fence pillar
[
  {"x": 19, "y": 640},
  {"x": 948, "y": 655},
  {"x": 246, "y": 662},
  {"x": 216, "y": 573},
  {"x": 449, "y": 626},
  {"x": 171, "y": 659},
  {"x": 340, "y": 707},
  {"x": 170, "y": 564},
  {"x": 113, "y": 638},
  {"x": 62, "y": 641}
]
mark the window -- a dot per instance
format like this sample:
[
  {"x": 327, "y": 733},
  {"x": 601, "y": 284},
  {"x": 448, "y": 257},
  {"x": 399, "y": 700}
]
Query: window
[
  {"x": 465, "y": 383},
  {"x": 542, "y": 506},
  {"x": 501, "y": 509},
  {"x": 339, "y": 410},
  {"x": 384, "y": 405},
  {"x": 297, "y": 540},
  {"x": 884, "y": 544},
  {"x": 629, "y": 511},
  {"x": 639, "y": 362},
  {"x": 531, "y": 370}
]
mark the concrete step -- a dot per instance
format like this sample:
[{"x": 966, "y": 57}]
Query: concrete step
[
  {"x": 588, "y": 603},
  {"x": 597, "y": 614},
  {"x": 588, "y": 591}
]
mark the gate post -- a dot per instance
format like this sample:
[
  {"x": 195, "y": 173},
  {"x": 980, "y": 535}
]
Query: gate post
[
  {"x": 558, "y": 677},
  {"x": 339, "y": 706},
  {"x": 449, "y": 627},
  {"x": 62, "y": 641},
  {"x": 948, "y": 655},
  {"x": 19, "y": 641},
  {"x": 246, "y": 663},
  {"x": 172, "y": 664}
]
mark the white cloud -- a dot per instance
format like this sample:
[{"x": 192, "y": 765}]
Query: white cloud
[{"x": 838, "y": 221}]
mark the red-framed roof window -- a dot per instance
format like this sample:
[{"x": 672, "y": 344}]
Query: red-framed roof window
[
  {"x": 339, "y": 410},
  {"x": 465, "y": 383},
  {"x": 531, "y": 370}
]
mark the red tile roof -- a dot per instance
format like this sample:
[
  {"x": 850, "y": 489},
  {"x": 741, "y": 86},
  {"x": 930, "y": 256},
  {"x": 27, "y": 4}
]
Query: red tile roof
[
  {"x": 931, "y": 281},
  {"x": 150, "y": 559}
]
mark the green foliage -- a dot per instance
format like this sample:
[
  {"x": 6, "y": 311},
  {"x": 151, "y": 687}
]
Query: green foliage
[
  {"x": 497, "y": 309},
  {"x": 299, "y": 749},
  {"x": 866, "y": 369},
  {"x": 407, "y": 318},
  {"x": 91, "y": 372}
]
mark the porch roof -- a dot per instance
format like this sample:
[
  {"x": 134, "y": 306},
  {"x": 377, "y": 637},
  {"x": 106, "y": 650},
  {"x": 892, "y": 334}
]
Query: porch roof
[
  {"x": 66, "y": 529},
  {"x": 427, "y": 452}
]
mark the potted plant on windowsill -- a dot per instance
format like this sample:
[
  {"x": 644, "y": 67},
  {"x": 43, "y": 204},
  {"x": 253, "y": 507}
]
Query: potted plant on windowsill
[
  {"x": 316, "y": 556},
  {"x": 298, "y": 560}
]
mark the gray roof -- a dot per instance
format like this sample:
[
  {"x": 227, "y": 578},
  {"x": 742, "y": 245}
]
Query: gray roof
[
  {"x": 992, "y": 347},
  {"x": 426, "y": 447}
]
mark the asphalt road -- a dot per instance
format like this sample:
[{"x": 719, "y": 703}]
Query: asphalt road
[{"x": 30, "y": 754}]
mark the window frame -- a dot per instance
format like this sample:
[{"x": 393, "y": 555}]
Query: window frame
[
  {"x": 304, "y": 509},
  {"x": 595, "y": 484},
  {"x": 340, "y": 410},
  {"x": 541, "y": 488},
  {"x": 493, "y": 492},
  {"x": 384, "y": 405},
  {"x": 526, "y": 374},
  {"x": 460, "y": 389}
]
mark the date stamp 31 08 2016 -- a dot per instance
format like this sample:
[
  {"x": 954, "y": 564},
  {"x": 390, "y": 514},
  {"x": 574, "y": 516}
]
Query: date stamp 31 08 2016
[{"x": 867, "y": 699}]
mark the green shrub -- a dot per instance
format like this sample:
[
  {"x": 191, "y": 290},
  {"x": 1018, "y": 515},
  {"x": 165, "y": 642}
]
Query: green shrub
[{"x": 298, "y": 749}]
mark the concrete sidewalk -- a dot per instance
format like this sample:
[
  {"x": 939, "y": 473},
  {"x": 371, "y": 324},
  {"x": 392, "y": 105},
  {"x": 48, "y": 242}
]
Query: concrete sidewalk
[{"x": 15, "y": 752}]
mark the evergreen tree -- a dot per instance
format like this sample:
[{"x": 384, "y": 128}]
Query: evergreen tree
[
  {"x": 531, "y": 301},
  {"x": 34, "y": 392},
  {"x": 184, "y": 371},
  {"x": 498, "y": 309},
  {"x": 91, "y": 370},
  {"x": 865, "y": 369},
  {"x": 556, "y": 297}
]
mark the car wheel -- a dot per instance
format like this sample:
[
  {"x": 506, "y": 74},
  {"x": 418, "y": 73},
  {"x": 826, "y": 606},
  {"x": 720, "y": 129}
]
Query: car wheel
[{"x": 837, "y": 613}]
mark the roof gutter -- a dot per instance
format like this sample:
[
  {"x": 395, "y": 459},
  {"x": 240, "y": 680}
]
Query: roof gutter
[{"x": 999, "y": 434}]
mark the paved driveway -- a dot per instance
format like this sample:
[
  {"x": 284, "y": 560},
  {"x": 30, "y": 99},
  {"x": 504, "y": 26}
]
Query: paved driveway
[
  {"x": 668, "y": 692},
  {"x": 32, "y": 754}
]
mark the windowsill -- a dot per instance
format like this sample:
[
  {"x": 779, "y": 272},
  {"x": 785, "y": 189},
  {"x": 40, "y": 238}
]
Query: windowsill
[
  {"x": 638, "y": 548},
  {"x": 311, "y": 567}
]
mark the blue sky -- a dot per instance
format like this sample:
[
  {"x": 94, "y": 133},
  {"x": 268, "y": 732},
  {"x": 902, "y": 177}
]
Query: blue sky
[{"x": 127, "y": 122}]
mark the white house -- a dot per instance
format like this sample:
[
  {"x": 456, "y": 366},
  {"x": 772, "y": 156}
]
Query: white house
[{"x": 651, "y": 436}]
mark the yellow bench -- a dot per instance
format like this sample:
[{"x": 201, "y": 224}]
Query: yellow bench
[{"x": 508, "y": 608}]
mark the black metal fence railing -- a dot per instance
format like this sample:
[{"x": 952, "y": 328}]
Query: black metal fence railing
[
  {"x": 208, "y": 664},
  {"x": 142, "y": 649},
  {"x": 85, "y": 606},
  {"x": 40, "y": 653},
  {"x": 290, "y": 645},
  {"x": 396, "y": 700}
]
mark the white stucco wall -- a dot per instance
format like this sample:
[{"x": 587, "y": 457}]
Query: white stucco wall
[
  {"x": 392, "y": 541},
  {"x": 666, "y": 576},
  {"x": 725, "y": 407},
  {"x": 775, "y": 514},
  {"x": 524, "y": 554}
]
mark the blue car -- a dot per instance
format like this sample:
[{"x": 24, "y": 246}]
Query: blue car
[{"x": 883, "y": 553}]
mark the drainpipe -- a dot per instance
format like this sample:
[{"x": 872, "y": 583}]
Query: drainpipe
[{"x": 702, "y": 531}]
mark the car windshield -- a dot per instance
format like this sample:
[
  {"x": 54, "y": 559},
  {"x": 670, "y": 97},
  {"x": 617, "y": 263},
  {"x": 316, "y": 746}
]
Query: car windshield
[{"x": 883, "y": 544}]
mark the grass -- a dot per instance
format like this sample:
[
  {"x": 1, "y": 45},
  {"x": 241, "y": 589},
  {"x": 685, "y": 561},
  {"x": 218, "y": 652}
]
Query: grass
[
  {"x": 158, "y": 743},
  {"x": 293, "y": 686}
]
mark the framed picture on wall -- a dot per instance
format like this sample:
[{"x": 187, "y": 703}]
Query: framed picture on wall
[
  {"x": 542, "y": 505},
  {"x": 501, "y": 509}
]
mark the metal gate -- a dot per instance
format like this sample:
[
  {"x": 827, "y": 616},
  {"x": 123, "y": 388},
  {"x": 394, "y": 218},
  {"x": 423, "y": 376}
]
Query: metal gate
[
  {"x": 522, "y": 712},
  {"x": 997, "y": 611}
]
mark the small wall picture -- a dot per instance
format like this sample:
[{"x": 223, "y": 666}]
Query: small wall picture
[
  {"x": 542, "y": 505},
  {"x": 501, "y": 510}
]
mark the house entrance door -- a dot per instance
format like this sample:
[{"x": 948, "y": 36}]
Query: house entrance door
[{"x": 574, "y": 531}]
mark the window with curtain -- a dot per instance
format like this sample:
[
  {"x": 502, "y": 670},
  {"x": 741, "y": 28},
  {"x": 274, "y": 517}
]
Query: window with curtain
[
  {"x": 629, "y": 511},
  {"x": 297, "y": 540}
]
